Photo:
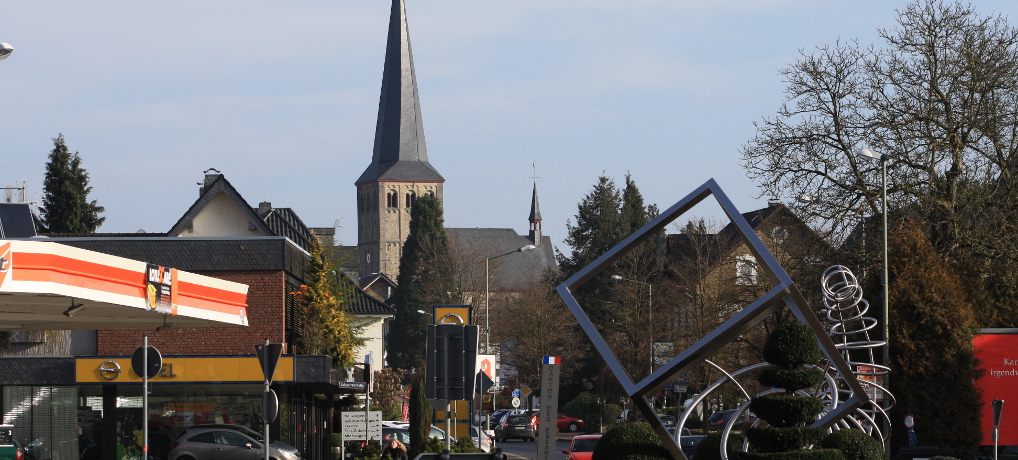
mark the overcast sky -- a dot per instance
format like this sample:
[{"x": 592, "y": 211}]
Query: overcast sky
[{"x": 282, "y": 97}]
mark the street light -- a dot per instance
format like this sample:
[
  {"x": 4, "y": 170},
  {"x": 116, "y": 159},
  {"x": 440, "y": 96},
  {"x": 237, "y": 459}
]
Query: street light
[
  {"x": 882, "y": 158},
  {"x": 650, "y": 313},
  {"x": 487, "y": 296},
  {"x": 5, "y": 50}
]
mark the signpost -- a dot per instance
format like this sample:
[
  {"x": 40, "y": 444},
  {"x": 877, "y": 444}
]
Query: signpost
[
  {"x": 357, "y": 426},
  {"x": 548, "y": 424},
  {"x": 998, "y": 407},
  {"x": 146, "y": 362},
  {"x": 268, "y": 357}
]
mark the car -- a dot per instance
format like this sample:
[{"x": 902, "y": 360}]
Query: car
[
  {"x": 688, "y": 444},
  {"x": 581, "y": 447},
  {"x": 685, "y": 431},
  {"x": 219, "y": 441},
  {"x": 515, "y": 426},
  {"x": 10, "y": 448},
  {"x": 564, "y": 422},
  {"x": 718, "y": 420},
  {"x": 497, "y": 416},
  {"x": 401, "y": 432}
]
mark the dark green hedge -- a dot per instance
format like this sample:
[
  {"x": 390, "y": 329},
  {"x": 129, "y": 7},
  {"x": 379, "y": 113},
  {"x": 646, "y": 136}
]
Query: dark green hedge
[
  {"x": 855, "y": 444},
  {"x": 792, "y": 345},
  {"x": 783, "y": 439},
  {"x": 786, "y": 411},
  {"x": 791, "y": 380},
  {"x": 816, "y": 454},
  {"x": 710, "y": 447},
  {"x": 631, "y": 441}
]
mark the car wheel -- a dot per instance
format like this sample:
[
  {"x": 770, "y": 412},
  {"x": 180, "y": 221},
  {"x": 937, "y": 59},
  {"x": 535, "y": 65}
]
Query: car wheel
[{"x": 574, "y": 427}]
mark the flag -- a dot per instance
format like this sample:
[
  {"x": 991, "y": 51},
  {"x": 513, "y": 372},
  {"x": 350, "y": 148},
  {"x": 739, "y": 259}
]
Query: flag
[{"x": 552, "y": 360}]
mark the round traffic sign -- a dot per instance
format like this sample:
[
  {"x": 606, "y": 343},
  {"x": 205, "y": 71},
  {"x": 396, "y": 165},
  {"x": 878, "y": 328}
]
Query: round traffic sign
[
  {"x": 516, "y": 402},
  {"x": 909, "y": 421},
  {"x": 270, "y": 406},
  {"x": 155, "y": 362},
  {"x": 516, "y": 393}
]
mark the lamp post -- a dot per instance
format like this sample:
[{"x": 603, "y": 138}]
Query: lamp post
[
  {"x": 650, "y": 313},
  {"x": 487, "y": 295},
  {"x": 882, "y": 158}
]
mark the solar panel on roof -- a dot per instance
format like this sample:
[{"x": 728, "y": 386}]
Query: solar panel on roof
[{"x": 16, "y": 221}]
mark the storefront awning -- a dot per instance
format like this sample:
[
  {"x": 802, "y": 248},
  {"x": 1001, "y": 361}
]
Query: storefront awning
[{"x": 50, "y": 286}]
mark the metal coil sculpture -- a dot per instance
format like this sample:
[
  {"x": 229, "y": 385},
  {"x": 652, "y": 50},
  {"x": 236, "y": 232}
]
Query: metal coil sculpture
[{"x": 849, "y": 329}]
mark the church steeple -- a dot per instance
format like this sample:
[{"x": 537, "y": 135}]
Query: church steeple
[
  {"x": 400, "y": 153},
  {"x": 535, "y": 219},
  {"x": 399, "y": 171}
]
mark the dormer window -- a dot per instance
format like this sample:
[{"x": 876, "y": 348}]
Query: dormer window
[
  {"x": 411, "y": 198},
  {"x": 392, "y": 199}
]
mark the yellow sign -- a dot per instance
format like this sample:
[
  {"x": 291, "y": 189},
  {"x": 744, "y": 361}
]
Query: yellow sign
[
  {"x": 452, "y": 314},
  {"x": 181, "y": 370}
]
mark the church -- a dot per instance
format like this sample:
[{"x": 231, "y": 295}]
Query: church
[{"x": 400, "y": 172}]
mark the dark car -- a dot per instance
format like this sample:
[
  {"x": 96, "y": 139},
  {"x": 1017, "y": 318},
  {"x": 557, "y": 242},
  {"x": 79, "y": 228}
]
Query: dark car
[
  {"x": 235, "y": 442},
  {"x": 718, "y": 420},
  {"x": 688, "y": 444},
  {"x": 516, "y": 426},
  {"x": 10, "y": 448}
]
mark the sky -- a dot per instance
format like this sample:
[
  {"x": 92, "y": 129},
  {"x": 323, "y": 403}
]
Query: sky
[{"x": 282, "y": 98}]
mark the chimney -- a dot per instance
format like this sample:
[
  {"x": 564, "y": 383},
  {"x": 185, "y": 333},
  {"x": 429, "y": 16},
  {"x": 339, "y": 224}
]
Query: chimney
[{"x": 209, "y": 179}]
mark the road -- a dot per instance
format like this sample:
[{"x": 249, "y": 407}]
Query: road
[{"x": 519, "y": 450}]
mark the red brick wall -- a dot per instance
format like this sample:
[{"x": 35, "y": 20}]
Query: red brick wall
[{"x": 265, "y": 312}]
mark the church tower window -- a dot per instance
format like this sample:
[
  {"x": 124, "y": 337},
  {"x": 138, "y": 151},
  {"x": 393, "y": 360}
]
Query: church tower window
[
  {"x": 392, "y": 200},
  {"x": 411, "y": 198}
]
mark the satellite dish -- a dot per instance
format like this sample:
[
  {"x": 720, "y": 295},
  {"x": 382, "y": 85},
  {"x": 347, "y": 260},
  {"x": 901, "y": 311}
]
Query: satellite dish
[{"x": 5, "y": 50}]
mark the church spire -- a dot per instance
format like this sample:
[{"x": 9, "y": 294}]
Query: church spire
[
  {"x": 535, "y": 219},
  {"x": 400, "y": 153}
]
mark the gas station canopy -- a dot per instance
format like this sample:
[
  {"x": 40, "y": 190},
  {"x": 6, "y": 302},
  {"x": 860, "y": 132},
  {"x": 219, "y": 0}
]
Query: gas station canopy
[{"x": 50, "y": 286}]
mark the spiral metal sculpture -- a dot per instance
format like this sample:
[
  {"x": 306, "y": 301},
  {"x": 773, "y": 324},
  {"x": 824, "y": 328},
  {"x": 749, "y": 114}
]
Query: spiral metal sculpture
[{"x": 849, "y": 329}]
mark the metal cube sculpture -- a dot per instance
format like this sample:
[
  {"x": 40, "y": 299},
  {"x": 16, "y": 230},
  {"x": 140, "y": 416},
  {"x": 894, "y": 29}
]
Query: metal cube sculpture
[{"x": 784, "y": 292}]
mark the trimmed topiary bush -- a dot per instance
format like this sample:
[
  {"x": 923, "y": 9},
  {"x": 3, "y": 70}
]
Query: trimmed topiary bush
[
  {"x": 710, "y": 447},
  {"x": 791, "y": 379},
  {"x": 815, "y": 454},
  {"x": 631, "y": 441},
  {"x": 792, "y": 346},
  {"x": 768, "y": 440},
  {"x": 855, "y": 444},
  {"x": 787, "y": 411}
]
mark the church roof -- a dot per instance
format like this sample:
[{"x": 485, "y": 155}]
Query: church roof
[
  {"x": 535, "y": 207},
  {"x": 400, "y": 153},
  {"x": 512, "y": 271}
]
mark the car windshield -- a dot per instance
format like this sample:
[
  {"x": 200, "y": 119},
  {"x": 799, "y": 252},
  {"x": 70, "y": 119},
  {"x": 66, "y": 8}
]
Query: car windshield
[
  {"x": 519, "y": 420},
  {"x": 584, "y": 445}
]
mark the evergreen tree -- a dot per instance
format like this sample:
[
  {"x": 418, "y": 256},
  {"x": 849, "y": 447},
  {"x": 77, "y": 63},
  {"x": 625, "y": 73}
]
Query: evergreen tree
[
  {"x": 66, "y": 208},
  {"x": 420, "y": 416},
  {"x": 327, "y": 328},
  {"x": 427, "y": 277},
  {"x": 931, "y": 326}
]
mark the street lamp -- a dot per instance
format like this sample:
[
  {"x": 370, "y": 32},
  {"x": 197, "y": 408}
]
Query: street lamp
[
  {"x": 5, "y": 50},
  {"x": 882, "y": 158},
  {"x": 650, "y": 313},
  {"x": 487, "y": 296}
]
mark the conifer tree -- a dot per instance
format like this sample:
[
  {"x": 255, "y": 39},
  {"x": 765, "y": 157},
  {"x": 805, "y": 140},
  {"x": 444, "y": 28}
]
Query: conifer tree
[
  {"x": 427, "y": 277},
  {"x": 66, "y": 208},
  {"x": 327, "y": 327}
]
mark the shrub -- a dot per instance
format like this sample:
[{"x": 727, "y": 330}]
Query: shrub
[
  {"x": 791, "y": 380},
  {"x": 630, "y": 441},
  {"x": 785, "y": 410},
  {"x": 710, "y": 447},
  {"x": 815, "y": 454},
  {"x": 464, "y": 445},
  {"x": 783, "y": 439},
  {"x": 855, "y": 444},
  {"x": 792, "y": 345},
  {"x": 336, "y": 440}
]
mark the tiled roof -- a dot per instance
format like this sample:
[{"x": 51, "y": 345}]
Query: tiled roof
[
  {"x": 284, "y": 222},
  {"x": 509, "y": 272},
  {"x": 364, "y": 304}
]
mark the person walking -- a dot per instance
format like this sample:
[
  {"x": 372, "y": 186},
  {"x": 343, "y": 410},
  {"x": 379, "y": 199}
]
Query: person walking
[{"x": 395, "y": 450}]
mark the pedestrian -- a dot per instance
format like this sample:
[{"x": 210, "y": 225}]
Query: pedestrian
[{"x": 395, "y": 450}]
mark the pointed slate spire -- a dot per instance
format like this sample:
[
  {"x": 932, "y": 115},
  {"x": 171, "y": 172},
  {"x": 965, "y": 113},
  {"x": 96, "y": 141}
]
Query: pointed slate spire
[
  {"x": 400, "y": 153},
  {"x": 535, "y": 219}
]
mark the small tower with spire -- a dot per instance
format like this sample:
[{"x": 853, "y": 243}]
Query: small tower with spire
[
  {"x": 399, "y": 171},
  {"x": 535, "y": 219}
]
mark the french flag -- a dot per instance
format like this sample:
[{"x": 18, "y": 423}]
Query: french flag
[{"x": 552, "y": 360}]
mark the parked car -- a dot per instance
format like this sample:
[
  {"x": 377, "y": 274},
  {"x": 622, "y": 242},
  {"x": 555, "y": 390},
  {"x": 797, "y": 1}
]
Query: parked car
[
  {"x": 582, "y": 447},
  {"x": 10, "y": 448},
  {"x": 564, "y": 422},
  {"x": 497, "y": 416},
  {"x": 685, "y": 431},
  {"x": 688, "y": 444},
  {"x": 401, "y": 432},
  {"x": 219, "y": 441},
  {"x": 718, "y": 420},
  {"x": 515, "y": 426}
]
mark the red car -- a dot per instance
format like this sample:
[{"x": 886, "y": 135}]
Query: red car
[
  {"x": 582, "y": 447},
  {"x": 564, "y": 422}
]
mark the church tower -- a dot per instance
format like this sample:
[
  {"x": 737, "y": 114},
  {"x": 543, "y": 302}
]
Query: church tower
[{"x": 399, "y": 171}]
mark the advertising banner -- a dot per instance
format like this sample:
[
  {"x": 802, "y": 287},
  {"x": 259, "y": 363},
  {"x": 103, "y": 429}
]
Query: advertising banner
[
  {"x": 160, "y": 289},
  {"x": 998, "y": 357}
]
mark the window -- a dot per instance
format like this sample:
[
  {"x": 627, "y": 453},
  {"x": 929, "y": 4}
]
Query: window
[
  {"x": 232, "y": 439},
  {"x": 411, "y": 198},
  {"x": 392, "y": 199},
  {"x": 206, "y": 437},
  {"x": 745, "y": 271}
]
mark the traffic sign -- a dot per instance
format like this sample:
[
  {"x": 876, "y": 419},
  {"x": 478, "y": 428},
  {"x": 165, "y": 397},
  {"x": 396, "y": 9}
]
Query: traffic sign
[
  {"x": 525, "y": 391},
  {"x": 516, "y": 402},
  {"x": 155, "y": 362},
  {"x": 516, "y": 393},
  {"x": 269, "y": 359},
  {"x": 270, "y": 406}
]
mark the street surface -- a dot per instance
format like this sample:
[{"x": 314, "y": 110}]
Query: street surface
[{"x": 515, "y": 449}]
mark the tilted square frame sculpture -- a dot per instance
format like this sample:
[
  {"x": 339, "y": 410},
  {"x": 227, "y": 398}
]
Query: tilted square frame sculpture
[{"x": 784, "y": 292}]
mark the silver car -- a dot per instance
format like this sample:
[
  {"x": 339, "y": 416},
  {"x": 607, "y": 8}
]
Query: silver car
[{"x": 220, "y": 443}]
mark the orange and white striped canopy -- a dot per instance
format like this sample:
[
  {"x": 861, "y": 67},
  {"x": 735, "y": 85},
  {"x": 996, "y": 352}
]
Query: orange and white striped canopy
[{"x": 51, "y": 286}]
